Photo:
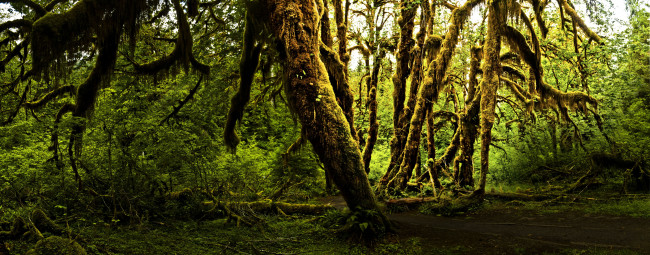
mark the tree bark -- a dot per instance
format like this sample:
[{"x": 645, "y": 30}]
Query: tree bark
[
  {"x": 469, "y": 122},
  {"x": 373, "y": 127},
  {"x": 490, "y": 85},
  {"x": 336, "y": 64},
  {"x": 402, "y": 70},
  {"x": 295, "y": 25},
  {"x": 429, "y": 90}
]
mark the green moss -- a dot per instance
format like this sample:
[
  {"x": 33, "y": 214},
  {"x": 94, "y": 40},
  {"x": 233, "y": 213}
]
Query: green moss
[{"x": 57, "y": 245}]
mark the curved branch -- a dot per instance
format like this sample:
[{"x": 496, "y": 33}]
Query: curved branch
[
  {"x": 579, "y": 20},
  {"x": 13, "y": 53},
  {"x": 15, "y": 24},
  {"x": 50, "y": 96},
  {"x": 182, "y": 50},
  {"x": 513, "y": 71},
  {"x": 516, "y": 89},
  {"x": 248, "y": 66},
  {"x": 40, "y": 11}
]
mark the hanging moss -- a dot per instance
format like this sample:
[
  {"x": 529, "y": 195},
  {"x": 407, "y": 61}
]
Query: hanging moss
[
  {"x": 431, "y": 85},
  {"x": 517, "y": 41},
  {"x": 53, "y": 34}
]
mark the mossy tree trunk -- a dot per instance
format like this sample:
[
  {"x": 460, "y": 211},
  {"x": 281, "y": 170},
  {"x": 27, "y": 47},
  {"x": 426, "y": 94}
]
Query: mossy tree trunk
[
  {"x": 469, "y": 122},
  {"x": 295, "y": 24},
  {"x": 490, "y": 84},
  {"x": 402, "y": 71},
  {"x": 336, "y": 63},
  {"x": 373, "y": 125},
  {"x": 428, "y": 92}
]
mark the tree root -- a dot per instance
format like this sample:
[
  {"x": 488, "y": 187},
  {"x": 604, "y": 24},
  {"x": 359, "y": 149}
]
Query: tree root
[
  {"x": 245, "y": 212},
  {"x": 38, "y": 222}
]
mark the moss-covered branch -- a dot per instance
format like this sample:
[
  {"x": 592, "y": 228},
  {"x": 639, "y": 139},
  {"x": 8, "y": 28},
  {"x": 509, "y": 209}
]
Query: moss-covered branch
[
  {"x": 182, "y": 52},
  {"x": 337, "y": 72},
  {"x": 50, "y": 96},
  {"x": 247, "y": 67},
  {"x": 40, "y": 11},
  {"x": 18, "y": 23},
  {"x": 574, "y": 15},
  {"x": 430, "y": 88}
]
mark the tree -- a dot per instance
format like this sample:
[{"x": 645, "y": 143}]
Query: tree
[{"x": 311, "y": 96}]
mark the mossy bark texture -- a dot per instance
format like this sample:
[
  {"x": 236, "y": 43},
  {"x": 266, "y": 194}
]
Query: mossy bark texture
[
  {"x": 295, "y": 24},
  {"x": 490, "y": 84},
  {"x": 429, "y": 90},
  {"x": 249, "y": 61}
]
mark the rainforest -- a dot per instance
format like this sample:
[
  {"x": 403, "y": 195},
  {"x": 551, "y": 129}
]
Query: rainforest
[{"x": 324, "y": 127}]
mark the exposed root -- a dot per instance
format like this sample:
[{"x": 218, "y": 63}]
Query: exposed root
[{"x": 245, "y": 212}]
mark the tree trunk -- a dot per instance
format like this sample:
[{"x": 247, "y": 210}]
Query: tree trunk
[
  {"x": 373, "y": 125},
  {"x": 336, "y": 64},
  {"x": 400, "y": 114},
  {"x": 490, "y": 85},
  {"x": 469, "y": 121},
  {"x": 429, "y": 90},
  {"x": 311, "y": 97}
]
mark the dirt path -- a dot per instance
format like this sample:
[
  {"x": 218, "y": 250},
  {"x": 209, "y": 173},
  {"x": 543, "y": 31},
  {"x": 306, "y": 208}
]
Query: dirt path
[{"x": 518, "y": 231}]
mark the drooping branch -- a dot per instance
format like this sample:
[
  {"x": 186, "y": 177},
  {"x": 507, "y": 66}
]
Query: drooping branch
[
  {"x": 517, "y": 90},
  {"x": 517, "y": 41},
  {"x": 88, "y": 91},
  {"x": 13, "y": 53},
  {"x": 182, "y": 52},
  {"x": 513, "y": 71},
  {"x": 554, "y": 97},
  {"x": 247, "y": 67}
]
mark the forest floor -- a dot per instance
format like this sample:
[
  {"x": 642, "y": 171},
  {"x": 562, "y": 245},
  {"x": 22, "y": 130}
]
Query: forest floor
[
  {"x": 501, "y": 228},
  {"x": 582, "y": 226}
]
